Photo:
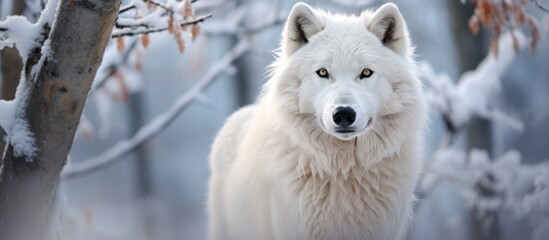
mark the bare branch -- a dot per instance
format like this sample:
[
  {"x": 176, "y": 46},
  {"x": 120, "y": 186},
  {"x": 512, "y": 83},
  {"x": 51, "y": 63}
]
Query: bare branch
[
  {"x": 147, "y": 30},
  {"x": 158, "y": 124}
]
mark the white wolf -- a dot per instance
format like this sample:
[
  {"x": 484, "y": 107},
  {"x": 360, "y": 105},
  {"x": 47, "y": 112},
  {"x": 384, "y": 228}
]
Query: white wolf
[{"x": 333, "y": 147}]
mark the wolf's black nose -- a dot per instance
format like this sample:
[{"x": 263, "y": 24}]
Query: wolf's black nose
[{"x": 344, "y": 116}]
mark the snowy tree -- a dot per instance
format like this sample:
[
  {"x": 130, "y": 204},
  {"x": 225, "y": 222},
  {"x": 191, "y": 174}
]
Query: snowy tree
[
  {"x": 61, "y": 53},
  {"x": 488, "y": 186}
]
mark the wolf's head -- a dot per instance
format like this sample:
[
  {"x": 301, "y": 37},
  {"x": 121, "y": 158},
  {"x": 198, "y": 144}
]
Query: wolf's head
[{"x": 347, "y": 73}]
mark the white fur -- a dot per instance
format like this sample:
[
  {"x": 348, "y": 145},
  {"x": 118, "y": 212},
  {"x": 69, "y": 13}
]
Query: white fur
[{"x": 280, "y": 171}]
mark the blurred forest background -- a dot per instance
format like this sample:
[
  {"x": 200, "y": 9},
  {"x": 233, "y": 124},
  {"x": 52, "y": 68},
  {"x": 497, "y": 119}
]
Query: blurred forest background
[{"x": 486, "y": 176}]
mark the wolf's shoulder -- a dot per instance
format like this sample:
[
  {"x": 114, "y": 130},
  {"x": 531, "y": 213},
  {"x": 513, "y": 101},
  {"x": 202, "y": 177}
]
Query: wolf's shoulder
[{"x": 226, "y": 143}]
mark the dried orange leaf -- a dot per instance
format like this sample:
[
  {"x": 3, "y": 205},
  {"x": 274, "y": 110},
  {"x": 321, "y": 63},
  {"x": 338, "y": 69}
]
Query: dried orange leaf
[
  {"x": 124, "y": 93},
  {"x": 474, "y": 24},
  {"x": 180, "y": 45},
  {"x": 138, "y": 65},
  {"x": 170, "y": 24},
  {"x": 88, "y": 217},
  {"x": 195, "y": 31},
  {"x": 145, "y": 40},
  {"x": 516, "y": 46},
  {"x": 120, "y": 45},
  {"x": 484, "y": 9},
  {"x": 520, "y": 15},
  {"x": 534, "y": 28},
  {"x": 187, "y": 9},
  {"x": 494, "y": 45}
]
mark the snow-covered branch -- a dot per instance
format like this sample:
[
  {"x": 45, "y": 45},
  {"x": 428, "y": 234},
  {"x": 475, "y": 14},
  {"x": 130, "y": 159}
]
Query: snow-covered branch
[
  {"x": 487, "y": 185},
  {"x": 153, "y": 16},
  {"x": 133, "y": 5},
  {"x": 473, "y": 94},
  {"x": 490, "y": 185},
  {"x": 155, "y": 3},
  {"x": 146, "y": 28},
  {"x": 158, "y": 124},
  {"x": 19, "y": 32}
]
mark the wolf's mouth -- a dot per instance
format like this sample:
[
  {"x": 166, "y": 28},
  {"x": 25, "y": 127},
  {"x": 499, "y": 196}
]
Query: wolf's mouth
[{"x": 345, "y": 130}]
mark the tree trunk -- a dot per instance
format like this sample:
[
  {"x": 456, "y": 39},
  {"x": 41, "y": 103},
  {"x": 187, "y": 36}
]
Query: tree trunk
[
  {"x": 471, "y": 52},
  {"x": 53, "y": 108},
  {"x": 144, "y": 182}
]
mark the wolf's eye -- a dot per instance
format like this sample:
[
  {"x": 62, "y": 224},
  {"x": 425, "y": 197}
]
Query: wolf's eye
[
  {"x": 323, "y": 73},
  {"x": 366, "y": 73}
]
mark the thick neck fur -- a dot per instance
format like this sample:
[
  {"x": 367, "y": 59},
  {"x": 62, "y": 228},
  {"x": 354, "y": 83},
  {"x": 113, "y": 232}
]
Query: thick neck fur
[{"x": 344, "y": 194}]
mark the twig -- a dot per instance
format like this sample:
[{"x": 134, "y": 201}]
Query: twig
[
  {"x": 126, "y": 8},
  {"x": 132, "y": 6},
  {"x": 159, "y": 123},
  {"x": 120, "y": 26},
  {"x": 540, "y": 6},
  {"x": 113, "y": 68},
  {"x": 147, "y": 31}
]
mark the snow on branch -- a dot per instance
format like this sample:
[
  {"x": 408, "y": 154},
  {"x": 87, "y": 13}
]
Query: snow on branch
[
  {"x": 487, "y": 185},
  {"x": 30, "y": 39},
  {"x": 159, "y": 123},
  {"x": 490, "y": 185},
  {"x": 474, "y": 93},
  {"x": 144, "y": 28},
  {"x": 152, "y": 17},
  {"x": 151, "y": 2},
  {"x": 19, "y": 32}
]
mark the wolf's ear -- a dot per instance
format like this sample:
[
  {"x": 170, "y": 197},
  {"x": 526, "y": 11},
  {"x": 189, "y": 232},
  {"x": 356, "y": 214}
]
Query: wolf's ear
[
  {"x": 303, "y": 22},
  {"x": 389, "y": 26}
]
